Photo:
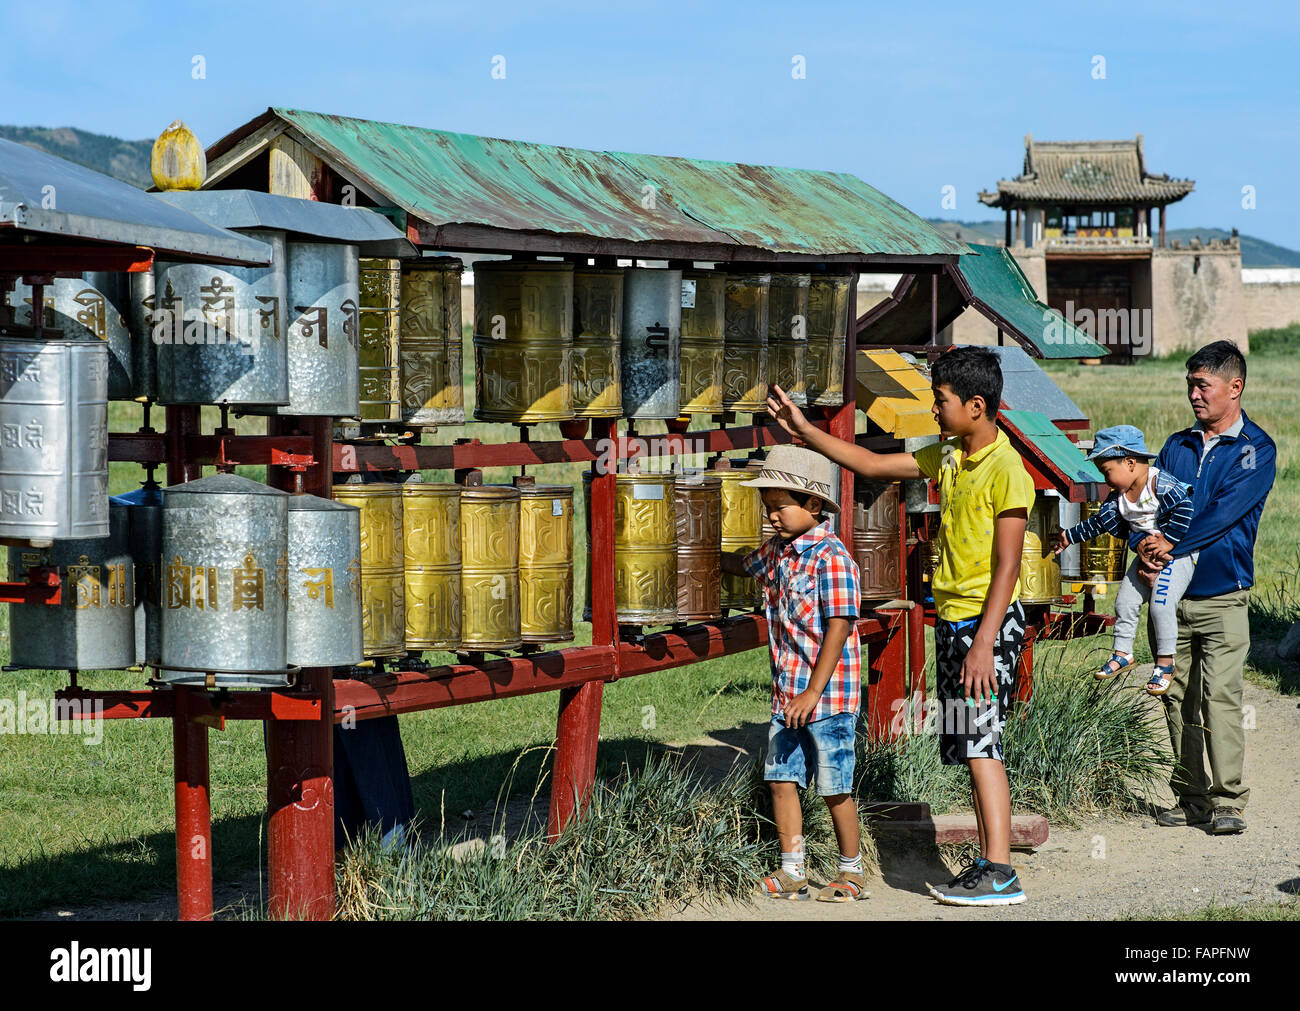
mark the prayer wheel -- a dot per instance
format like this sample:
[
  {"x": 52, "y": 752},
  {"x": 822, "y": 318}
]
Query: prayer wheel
[
  {"x": 699, "y": 547},
  {"x": 325, "y": 626},
  {"x": 144, "y": 508},
  {"x": 1071, "y": 559},
  {"x": 144, "y": 353},
  {"x": 704, "y": 328},
  {"x": 379, "y": 351},
  {"x": 523, "y": 341},
  {"x": 431, "y": 346},
  {"x": 645, "y": 549},
  {"x": 651, "y": 343},
  {"x": 597, "y": 335},
  {"x": 1105, "y": 558},
  {"x": 828, "y": 329},
  {"x": 546, "y": 562},
  {"x": 1040, "y": 573},
  {"x": 787, "y": 334},
  {"x": 744, "y": 380},
  {"x": 742, "y": 531},
  {"x": 489, "y": 549},
  {"x": 383, "y": 594},
  {"x": 431, "y": 565},
  {"x": 875, "y": 539}
]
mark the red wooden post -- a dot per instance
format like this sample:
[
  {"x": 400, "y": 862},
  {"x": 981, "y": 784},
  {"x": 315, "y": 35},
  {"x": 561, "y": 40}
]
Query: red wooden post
[
  {"x": 886, "y": 663},
  {"x": 1025, "y": 669}
]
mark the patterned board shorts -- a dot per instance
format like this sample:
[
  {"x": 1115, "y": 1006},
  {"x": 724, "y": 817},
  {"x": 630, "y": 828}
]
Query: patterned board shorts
[{"x": 975, "y": 732}]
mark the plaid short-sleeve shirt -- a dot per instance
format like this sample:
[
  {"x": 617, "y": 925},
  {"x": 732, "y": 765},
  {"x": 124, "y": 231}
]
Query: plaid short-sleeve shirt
[{"x": 805, "y": 582}]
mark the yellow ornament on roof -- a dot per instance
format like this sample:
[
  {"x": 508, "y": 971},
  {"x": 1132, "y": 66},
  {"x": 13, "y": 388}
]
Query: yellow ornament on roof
[{"x": 178, "y": 161}]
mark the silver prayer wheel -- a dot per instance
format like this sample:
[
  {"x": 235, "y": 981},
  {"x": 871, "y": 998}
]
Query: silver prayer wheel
[
  {"x": 225, "y": 583},
  {"x": 1069, "y": 514},
  {"x": 94, "y": 626},
  {"x": 651, "y": 340},
  {"x": 144, "y": 353},
  {"x": 143, "y": 509},
  {"x": 323, "y": 624},
  {"x": 53, "y": 438}
]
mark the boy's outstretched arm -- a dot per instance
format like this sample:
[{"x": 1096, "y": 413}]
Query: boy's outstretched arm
[
  {"x": 874, "y": 466},
  {"x": 978, "y": 677},
  {"x": 829, "y": 654}
]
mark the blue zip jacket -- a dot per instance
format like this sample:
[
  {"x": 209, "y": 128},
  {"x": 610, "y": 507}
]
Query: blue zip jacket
[
  {"x": 1228, "y": 498},
  {"x": 1173, "y": 513}
]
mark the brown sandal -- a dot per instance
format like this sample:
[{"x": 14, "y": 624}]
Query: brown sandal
[
  {"x": 844, "y": 887},
  {"x": 782, "y": 886}
]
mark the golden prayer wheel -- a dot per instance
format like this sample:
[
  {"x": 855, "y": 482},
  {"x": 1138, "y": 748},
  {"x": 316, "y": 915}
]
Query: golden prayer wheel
[
  {"x": 431, "y": 565},
  {"x": 1105, "y": 558},
  {"x": 875, "y": 539},
  {"x": 645, "y": 549},
  {"x": 744, "y": 380},
  {"x": 523, "y": 341},
  {"x": 430, "y": 343},
  {"x": 742, "y": 531},
  {"x": 379, "y": 352},
  {"x": 704, "y": 321},
  {"x": 787, "y": 334},
  {"x": 597, "y": 332},
  {"x": 546, "y": 563},
  {"x": 699, "y": 547},
  {"x": 828, "y": 329},
  {"x": 489, "y": 550},
  {"x": 383, "y": 591},
  {"x": 1040, "y": 572}
]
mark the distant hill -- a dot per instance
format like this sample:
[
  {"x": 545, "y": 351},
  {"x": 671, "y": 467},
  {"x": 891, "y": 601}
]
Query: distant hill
[{"x": 127, "y": 160}]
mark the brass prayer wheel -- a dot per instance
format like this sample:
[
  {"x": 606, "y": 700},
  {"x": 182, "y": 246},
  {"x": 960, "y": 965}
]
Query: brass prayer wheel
[
  {"x": 787, "y": 334},
  {"x": 523, "y": 341},
  {"x": 645, "y": 549},
  {"x": 430, "y": 343},
  {"x": 383, "y": 588},
  {"x": 699, "y": 547},
  {"x": 379, "y": 352},
  {"x": 704, "y": 321},
  {"x": 1040, "y": 573},
  {"x": 489, "y": 550},
  {"x": 546, "y": 563},
  {"x": 875, "y": 539},
  {"x": 744, "y": 381},
  {"x": 431, "y": 565},
  {"x": 828, "y": 329},
  {"x": 597, "y": 331},
  {"x": 1104, "y": 559},
  {"x": 742, "y": 531}
]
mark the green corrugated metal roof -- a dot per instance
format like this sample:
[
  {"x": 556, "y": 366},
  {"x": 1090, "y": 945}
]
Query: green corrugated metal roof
[
  {"x": 453, "y": 178},
  {"x": 1055, "y": 445}
]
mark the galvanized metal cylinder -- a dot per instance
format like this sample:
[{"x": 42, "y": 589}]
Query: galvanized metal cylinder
[
  {"x": 431, "y": 343},
  {"x": 1104, "y": 559},
  {"x": 1071, "y": 559},
  {"x": 916, "y": 493},
  {"x": 828, "y": 329},
  {"x": 645, "y": 548},
  {"x": 652, "y": 331},
  {"x": 53, "y": 438},
  {"x": 704, "y": 320},
  {"x": 383, "y": 596},
  {"x": 742, "y": 531},
  {"x": 523, "y": 341},
  {"x": 94, "y": 627},
  {"x": 223, "y": 330},
  {"x": 1040, "y": 573},
  {"x": 144, "y": 352},
  {"x": 546, "y": 562},
  {"x": 324, "y": 624},
  {"x": 744, "y": 382},
  {"x": 225, "y": 582},
  {"x": 144, "y": 519},
  {"x": 699, "y": 547},
  {"x": 379, "y": 353},
  {"x": 489, "y": 550},
  {"x": 597, "y": 351},
  {"x": 787, "y": 334},
  {"x": 875, "y": 539},
  {"x": 431, "y": 563}
]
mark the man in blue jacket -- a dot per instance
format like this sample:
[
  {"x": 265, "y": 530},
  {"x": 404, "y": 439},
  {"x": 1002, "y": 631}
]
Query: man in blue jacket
[{"x": 1230, "y": 463}]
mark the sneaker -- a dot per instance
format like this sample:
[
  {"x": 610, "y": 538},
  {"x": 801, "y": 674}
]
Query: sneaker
[
  {"x": 993, "y": 885},
  {"x": 1228, "y": 821},
  {"x": 969, "y": 866},
  {"x": 1180, "y": 817}
]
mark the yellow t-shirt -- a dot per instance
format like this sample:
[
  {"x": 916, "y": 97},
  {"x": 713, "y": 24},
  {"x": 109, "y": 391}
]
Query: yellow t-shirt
[{"x": 972, "y": 492}]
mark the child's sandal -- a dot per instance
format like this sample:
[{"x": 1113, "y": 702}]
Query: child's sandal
[
  {"x": 782, "y": 886},
  {"x": 1161, "y": 679},
  {"x": 1117, "y": 662},
  {"x": 844, "y": 887}
]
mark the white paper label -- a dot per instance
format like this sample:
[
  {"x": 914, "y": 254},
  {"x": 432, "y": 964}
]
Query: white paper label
[
  {"x": 688, "y": 294},
  {"x": 648, "y": 491},
  {"x": 557, "y": 507}
]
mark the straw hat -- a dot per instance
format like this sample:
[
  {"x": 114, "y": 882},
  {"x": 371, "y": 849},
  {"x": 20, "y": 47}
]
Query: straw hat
[{"x": 800, "y": 470}]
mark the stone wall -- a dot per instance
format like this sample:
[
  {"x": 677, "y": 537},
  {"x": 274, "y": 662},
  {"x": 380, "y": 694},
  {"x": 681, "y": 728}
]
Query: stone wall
[
  {"x": 1272, "y": 298},
  {"x": 1196, "y": 298}
]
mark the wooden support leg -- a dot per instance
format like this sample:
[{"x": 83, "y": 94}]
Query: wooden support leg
[
  {"x": 575, "y": 753},
  {"x": 1025, "y": 670},
  {"x": 886, "y": 689},
  {"x": 193, "y": 813}
]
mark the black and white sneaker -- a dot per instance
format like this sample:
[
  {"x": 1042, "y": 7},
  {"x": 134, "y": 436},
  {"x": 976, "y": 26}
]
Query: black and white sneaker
[{"x": 989, "y": 884}]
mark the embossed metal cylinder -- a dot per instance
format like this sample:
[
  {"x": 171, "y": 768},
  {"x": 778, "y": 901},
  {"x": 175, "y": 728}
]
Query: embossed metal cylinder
[
  {"x": 1040, "y": 573},
  {"x": 431, "y": 562},
  {"x": 652, "y": 331},
  {"x": 742, "y": 531},
  {"x": 144, "y": 508},
  {"x": 379, "y": 352},
  {"x": 94, "y": 627},
  {"x": 431, "y": 344},
  {"x": 699, "y": 547},
  {"x": 787, "y": 334},
  {"x": 597, "y": 351},
  {"x": 828, "y": 329},
  {"x": 1105, "y": 558},
  {"x": 645, "y": 548},
  {"x": 1071, "y": 559},
  {"x": 225, "y": 567},
  {"x": 704, "y": 322},
  {"x": 744, "y": 380},
  {"x": 240, "y": 314},
  {"x": 523, "y": 341},
  {"x": 53, "y": 438},
  {"x": 324, "y": 624},
  {"x": 875, "y": 539},
  {"x": 383, "y": 596},
  {"x": 144, "y": 352},
  {"x": 546, "y": 563},
  {"x": 489, "y": 551}
]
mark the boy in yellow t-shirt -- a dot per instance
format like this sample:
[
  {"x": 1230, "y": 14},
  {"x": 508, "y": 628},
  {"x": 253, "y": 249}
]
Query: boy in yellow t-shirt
[{"x": 985, "y": 496}]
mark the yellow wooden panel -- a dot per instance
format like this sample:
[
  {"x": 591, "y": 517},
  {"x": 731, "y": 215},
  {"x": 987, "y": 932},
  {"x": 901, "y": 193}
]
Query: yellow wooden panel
[{"x": 895, "y": 395}]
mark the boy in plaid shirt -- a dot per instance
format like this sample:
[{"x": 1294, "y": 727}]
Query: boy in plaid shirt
[{"x": 810, "y": 587}]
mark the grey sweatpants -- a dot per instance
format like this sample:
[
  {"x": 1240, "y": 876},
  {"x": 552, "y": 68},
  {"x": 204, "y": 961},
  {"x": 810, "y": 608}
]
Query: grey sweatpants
[{"x": 1171, "y": 583}]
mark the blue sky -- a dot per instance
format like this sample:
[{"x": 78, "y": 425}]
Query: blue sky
[{"x": 910, "y": 97}]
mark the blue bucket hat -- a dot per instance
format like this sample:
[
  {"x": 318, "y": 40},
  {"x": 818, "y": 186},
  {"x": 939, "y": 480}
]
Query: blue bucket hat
[{"x": 1119, "y": 441}]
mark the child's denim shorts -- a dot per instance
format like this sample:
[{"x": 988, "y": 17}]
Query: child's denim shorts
[{"x": 824, "y": 746}]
